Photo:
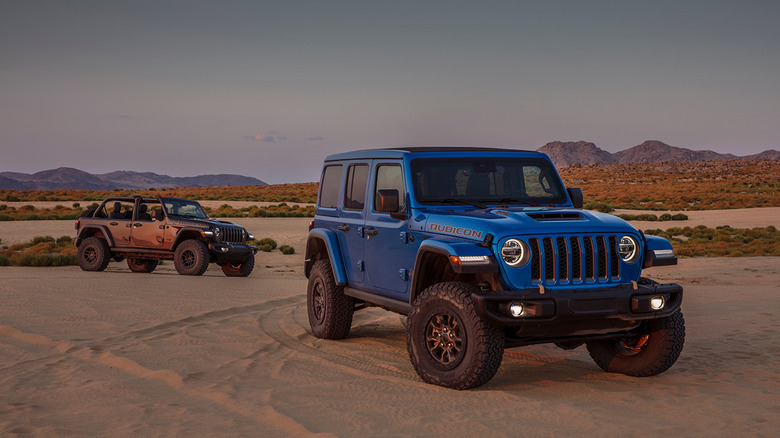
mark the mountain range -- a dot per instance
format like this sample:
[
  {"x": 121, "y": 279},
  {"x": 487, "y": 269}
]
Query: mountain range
[
  {"x": 67, "y": 178},
  {"x": 652, "y": 151},
  {"x": 562, "y": 154}
]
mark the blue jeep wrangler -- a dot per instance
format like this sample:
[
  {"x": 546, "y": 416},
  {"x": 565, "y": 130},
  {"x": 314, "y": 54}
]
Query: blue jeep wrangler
[{"x": 485, "y": 249}]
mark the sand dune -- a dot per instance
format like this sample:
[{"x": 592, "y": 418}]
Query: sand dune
[{"x": 122, "y": 354}]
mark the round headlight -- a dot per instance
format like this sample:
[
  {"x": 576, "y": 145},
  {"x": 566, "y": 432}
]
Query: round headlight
[
  {"x": 515, "y": 252},
  {"x": 628, "y": 249}
]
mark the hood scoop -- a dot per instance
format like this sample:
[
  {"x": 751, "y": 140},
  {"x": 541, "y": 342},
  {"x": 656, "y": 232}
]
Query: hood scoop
[{"x": 555, "y": 216}]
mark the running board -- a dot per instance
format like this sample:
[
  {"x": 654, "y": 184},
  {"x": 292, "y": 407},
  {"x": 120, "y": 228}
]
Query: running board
[{"x": 378, "y": 300}]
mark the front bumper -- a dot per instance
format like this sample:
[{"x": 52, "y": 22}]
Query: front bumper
[
  {"x": 558, "y": 313},
  {"x": 225, "y": 253}
]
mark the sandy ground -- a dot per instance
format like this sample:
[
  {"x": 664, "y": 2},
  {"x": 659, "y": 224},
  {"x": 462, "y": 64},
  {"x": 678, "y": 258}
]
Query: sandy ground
[
  {"x": 288, "y": 230},
  {"x": 291, "y": 231},
  {"x": 737, "y": 218},
  {"x": 120, "y": 354}
]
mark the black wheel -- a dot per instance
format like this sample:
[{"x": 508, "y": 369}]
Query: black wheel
[
  {"x": 330, "y": 311},
  {"x": 646, "y": 353},
  {"x": 191, "y": 258},
  {"x": 449, "y": 344},
  {"x": 242, "y": 269},
  {"x": 94, "y": 254},
  {"x": 141, "y": 265}
]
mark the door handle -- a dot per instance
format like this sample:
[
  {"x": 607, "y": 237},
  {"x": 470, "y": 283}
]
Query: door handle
[
  {"x": 371, "y": 231},
  {"x": 113, "y": 223},
  {"x": 136, "y": 225},
  {"x": 343, "y": 228}
]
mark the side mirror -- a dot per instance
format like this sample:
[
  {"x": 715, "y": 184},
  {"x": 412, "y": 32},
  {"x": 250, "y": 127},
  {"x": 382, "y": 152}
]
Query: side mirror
[
  {"x": 575, "y": 193},
  {"x": 387, "y": 201}
]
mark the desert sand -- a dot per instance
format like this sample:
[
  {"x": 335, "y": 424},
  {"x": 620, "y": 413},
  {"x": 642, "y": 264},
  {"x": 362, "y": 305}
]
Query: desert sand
[{"x": 121, "y": 354}]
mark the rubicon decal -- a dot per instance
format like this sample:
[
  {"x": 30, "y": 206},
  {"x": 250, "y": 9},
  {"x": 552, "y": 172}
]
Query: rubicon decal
[{"x": 449, "y": 229}]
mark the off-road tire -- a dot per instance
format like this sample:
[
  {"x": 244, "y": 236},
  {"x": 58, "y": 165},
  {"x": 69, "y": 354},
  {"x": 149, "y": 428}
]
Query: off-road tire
[
  {"x": 330, "y": 311},
  {"x": 141, "y": 265},
  {"x": 242, "y": 269},
  {"x": 94, "y": 254},
  {"x": 449, "y": 344},
  {"x": 191, "y": 257},
  {"x": 664, "y": 343}
]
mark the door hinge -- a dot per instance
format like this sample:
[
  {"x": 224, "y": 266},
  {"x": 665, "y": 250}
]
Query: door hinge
[
  {"x": 404, "y": 274},
  {"x": 361, "y": 266}
]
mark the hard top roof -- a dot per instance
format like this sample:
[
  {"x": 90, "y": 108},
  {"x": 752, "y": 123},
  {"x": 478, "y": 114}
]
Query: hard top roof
[{"x": 399, "y": 152}]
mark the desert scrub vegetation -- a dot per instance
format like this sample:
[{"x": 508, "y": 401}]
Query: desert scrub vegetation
[
  {"x": 41, "y": 251},
  {"x": 300, "y": 192},
  {"x": 703, "y": 185},
  {"x": 722, "y": 241},
  {"x": 279, "y": 210},
  {"x": 653, "y": 218},
  {"x": 267, "y": 244},
  {"x": 31, "y": 213},
  {"x": 60, "y": 212}
]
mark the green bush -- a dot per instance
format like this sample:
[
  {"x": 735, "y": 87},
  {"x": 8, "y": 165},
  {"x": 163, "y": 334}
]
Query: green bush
[
  {"x": 598, "y": 206},
  {"x": 76, "y": 205},
  {"x": 45, "y": 260},
  {"x": 4, "y": 261},
  {"x": 64, "y": 239},
  {"x": 666, "y": 217},
  {"x": 267, "y": 241},
  {"x": 287, "y": 249},
  {"x": 41, "y": 239},
  {"x": 680, "y": 217},
  {"x": 265, "y": 248}
]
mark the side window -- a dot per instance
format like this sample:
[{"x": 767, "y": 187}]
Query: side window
[
  {"x": 116, "y": 210},
  {"x": 389, "y": 176},
  {"x": 329, "y": 189},
  {"x": 355, "y": 193}
]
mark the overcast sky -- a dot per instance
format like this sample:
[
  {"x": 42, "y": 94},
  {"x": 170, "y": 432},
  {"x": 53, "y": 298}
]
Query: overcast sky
[{"x": 269, "y": 88}]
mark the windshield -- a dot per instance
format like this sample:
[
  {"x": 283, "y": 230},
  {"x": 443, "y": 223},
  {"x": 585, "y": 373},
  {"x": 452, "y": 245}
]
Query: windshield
[
  {"x": 184, "y": 208},
  {"x": 491, "y": 180}
]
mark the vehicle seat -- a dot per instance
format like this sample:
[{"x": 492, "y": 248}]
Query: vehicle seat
[
  {"x": 142, "y": 214},
  {"x": 117, "y": 213}
]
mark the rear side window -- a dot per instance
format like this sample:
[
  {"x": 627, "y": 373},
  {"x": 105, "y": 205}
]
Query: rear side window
[
  {"x": 329, "y": 190},
  {"x": 355, "y": 194}
]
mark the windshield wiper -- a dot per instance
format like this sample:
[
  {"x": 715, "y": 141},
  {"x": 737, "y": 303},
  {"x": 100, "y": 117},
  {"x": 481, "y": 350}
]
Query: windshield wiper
[{"x": 455, "y": 201}]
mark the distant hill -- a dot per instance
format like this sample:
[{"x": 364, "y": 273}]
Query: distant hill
[
  {"x": 580, "y": 152},
  {"x": 67, "y": 178},
  {"x": 766, "y": 155},
  {"x": 652, "y": 151}
]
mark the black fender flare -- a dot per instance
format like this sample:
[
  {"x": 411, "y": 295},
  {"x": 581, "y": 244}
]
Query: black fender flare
[
  {"x": 183, "y": 234},
  {"x": 102, "y": 228}
]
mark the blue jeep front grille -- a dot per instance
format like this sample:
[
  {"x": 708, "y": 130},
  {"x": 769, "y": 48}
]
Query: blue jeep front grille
[{"x": 557, "y": 260}]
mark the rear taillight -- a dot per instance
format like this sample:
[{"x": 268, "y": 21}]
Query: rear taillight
[{"x": 77, "y": 225}]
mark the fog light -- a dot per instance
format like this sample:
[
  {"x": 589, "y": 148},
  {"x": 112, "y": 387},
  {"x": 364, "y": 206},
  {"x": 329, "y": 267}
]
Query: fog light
[
  {"x": 657, "y": 303},
  {"x": 516, "y": 309}
]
